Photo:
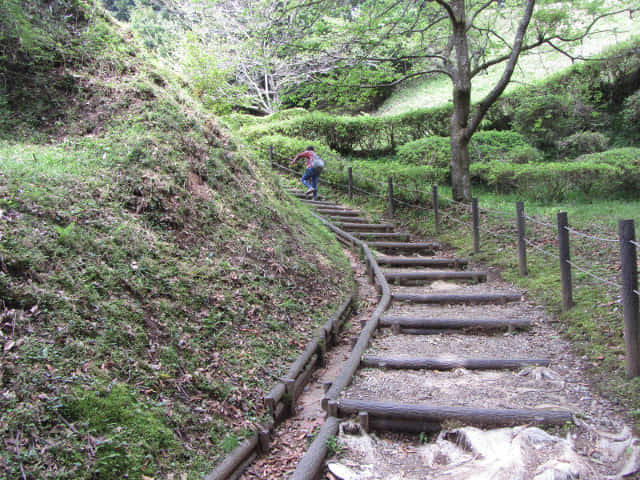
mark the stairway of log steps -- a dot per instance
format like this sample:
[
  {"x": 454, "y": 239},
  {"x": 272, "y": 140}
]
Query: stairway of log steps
[{"x": 452, "y": 347}]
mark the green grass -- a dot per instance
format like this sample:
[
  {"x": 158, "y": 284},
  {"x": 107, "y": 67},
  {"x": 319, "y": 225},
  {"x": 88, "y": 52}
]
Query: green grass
[{"x": 436, "y": 91}]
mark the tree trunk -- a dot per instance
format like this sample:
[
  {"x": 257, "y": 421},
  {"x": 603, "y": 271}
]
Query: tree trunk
[
  {"x": 461, "y": 78},
  {"x": 460, "y": 176}
]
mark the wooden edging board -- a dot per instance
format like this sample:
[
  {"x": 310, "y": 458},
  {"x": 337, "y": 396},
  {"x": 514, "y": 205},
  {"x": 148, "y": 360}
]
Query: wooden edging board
[
  {"x": 298, "y": 374},
  {"x": 312, "y": 462}
]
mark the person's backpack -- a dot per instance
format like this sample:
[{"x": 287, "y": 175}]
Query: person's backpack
[{"x": 317, "y": 162}]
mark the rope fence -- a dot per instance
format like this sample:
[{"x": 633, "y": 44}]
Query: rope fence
[{"x": 626, "y": 282}]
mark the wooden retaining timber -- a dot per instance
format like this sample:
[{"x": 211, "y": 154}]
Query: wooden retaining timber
[
  {"x": 312, "y": 463},
  {"x": 365, "y": 227},
  {"x": 405, "y": 246},
  {"x": 475, "y": 298},
  {"x": 395, "y": 236},
  {"x": 437, "y": 275},
  {"x": 300, "y": 371},
  {"x": 241, "y": 457},
  {"x": 338, "y": 212},
  {"x": 481, "y": 417},
  {"x": 453, "y": 323},
  {"x": 349, "y": 219},
  {"x": 353, "y": 362},
  {"x": 421, "y": 262},
  {"x": 293, "y": 384},
  {"x": 449, "y": 364},
  {"x": 403, "y": 426},
  {"x": 320, "y": 203}
]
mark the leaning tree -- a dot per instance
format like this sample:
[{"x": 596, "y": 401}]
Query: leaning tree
[{"x": 457, "y": 38}]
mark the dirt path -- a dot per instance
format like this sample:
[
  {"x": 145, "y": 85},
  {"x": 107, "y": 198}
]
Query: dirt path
[
  {"x": 597, "y": 444},
  {"x": 293, "y": 436}
]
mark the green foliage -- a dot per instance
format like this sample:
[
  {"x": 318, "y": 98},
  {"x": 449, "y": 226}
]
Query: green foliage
[
  {"x": 334, "y": 447},
  {"x": 156, "y": 28},
  {"x": 362, "y": 134},
  {"x": 120, "y": 8},
  {"x": 582, "y": 143},
  {"x": 354, "y": 89},
  {"x": 485, "y": 146},
  {"x": 631, "y": 113},
  {"x": 543, "y": 119},
  {"x": 611, "y": 174},
  {"x": 434, "y": 151},
  {"x": 411, "y": 180},
  {"x": 287, "y": 147},
  {"x": 210, "y": 82},
  {"x": 131, "y": 433}
]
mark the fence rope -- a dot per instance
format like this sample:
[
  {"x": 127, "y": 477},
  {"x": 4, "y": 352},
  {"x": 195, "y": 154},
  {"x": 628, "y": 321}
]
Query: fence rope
[
  {"x": 634, "y": 243},
  {"x": 496, "y": 212},
  {"x": 539, "y": 222},
  {"x": 602, "y": 280},
  {"x": 590, "y": 237},
  {"x": 496, "y": 234},
  {"x": 541, "y": 250}
]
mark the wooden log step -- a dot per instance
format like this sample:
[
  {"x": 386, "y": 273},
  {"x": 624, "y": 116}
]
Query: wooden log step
[
  {"x": 405, "y": 246},
  {"x": 452, "y": 323},
  {"x": 438, "y": 275},
  {"x": 366, "y": 227},
  {"x": 482, "y": 417},
  {"x": 421, "y": 262},
  {"x": 405, "y": 426},
  {"x": 449, "y": 364},
  {"x": 397, "y": 236},
  {"x": 475, "y": 298},
  {"x": 321, "y": 203},
  {"x": 340, "y": 219},
  {"x": 340, "y": 212}
]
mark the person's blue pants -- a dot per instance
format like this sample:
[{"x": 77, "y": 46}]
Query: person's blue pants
[{"x": 310, "y": 179}]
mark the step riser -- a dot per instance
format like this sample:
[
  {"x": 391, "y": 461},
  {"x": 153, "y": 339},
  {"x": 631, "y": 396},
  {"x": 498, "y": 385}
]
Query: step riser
[
  {"x": 444, "y": 365},
  {"x": 455, "y": 299},
  {"x": 450, "y": 323}
]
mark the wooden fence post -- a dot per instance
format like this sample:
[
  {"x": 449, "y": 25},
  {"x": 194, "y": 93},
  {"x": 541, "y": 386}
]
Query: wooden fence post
[
  {"x": 350, "y": 183},
  {"x": 629, "y": 261},
  {"x": 434, "y": 202},
  {"x": 391, "y": 205},
  {"x": 476, "y": 225},
  {"x": 271, "y": 156},
  {"x": 565, "y": 266},
  {"x": 522, "y": 246}
]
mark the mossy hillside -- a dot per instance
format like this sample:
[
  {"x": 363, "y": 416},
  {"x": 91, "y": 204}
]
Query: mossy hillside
[{"x": 154, "y": 282}]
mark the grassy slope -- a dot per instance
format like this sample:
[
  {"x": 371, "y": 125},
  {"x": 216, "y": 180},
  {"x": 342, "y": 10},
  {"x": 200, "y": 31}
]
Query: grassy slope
[
  {"x": 154, "y": 281},
  {"x": 436, "y": 91}
]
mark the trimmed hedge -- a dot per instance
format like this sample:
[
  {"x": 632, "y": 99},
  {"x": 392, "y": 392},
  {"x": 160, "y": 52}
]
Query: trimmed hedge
[
  {"x": 411, "y": 181},
  {"x": 361, "y": 134},
  {"x": 485, "y": 146},
  {"x": 288, "y": 147},
  {"x": 612, "y": 174}
]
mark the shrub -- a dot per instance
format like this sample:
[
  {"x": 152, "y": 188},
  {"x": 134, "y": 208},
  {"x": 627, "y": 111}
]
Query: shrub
[
  {"x": 543, "y": 119},
  {"x": 434, "y": 151},
  {"x": 349, "y": 135},
  {"x": 581, "y": 143},
  {"x": 631, "y": 113},
  {"x": 611, "y": 174},
  {"x": 485, "y": 146},
  {"x": 287, "y": 147}
]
